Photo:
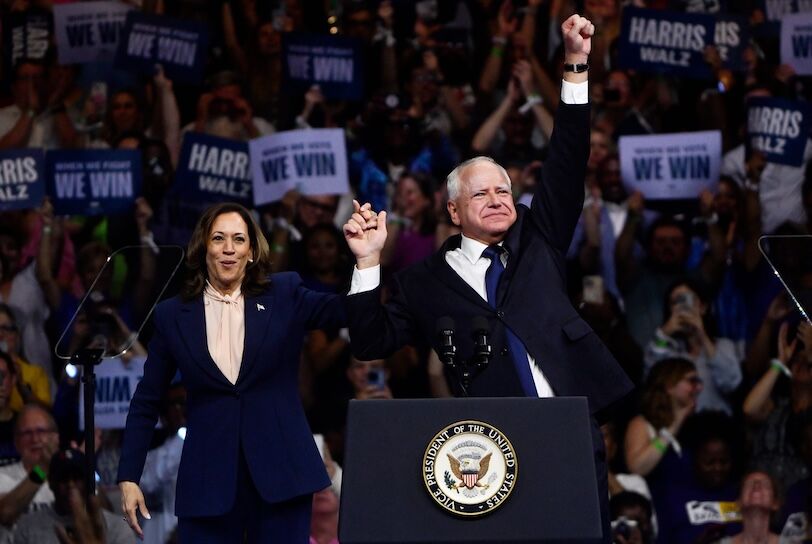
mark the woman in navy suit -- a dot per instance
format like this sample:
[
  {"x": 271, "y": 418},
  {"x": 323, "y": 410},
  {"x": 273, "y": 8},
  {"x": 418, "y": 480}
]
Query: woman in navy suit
[{"x": 249, "y": 463}]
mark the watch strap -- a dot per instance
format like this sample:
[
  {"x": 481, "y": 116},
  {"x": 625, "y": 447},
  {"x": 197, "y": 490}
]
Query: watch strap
[{"x": 577, "y": 68}]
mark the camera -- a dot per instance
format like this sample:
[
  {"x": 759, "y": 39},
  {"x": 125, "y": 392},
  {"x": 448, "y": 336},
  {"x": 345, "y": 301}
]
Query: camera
[
  {"x": 623, "y": 527},
  {"x": 377, "y": 377}
]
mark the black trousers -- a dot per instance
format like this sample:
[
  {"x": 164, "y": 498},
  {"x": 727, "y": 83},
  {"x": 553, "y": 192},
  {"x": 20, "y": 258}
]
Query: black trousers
[{"x": 251, "y": 519}]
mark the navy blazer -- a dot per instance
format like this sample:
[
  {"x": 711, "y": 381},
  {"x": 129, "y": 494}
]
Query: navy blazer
[
  {"x": 531, "y": 297},
  {"x": 261, "y": 414}
]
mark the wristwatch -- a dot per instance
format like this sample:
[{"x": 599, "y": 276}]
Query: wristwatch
[{"x": 576, "y": 68}]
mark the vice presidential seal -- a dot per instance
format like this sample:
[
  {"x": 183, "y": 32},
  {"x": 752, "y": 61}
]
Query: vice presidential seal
[{"x": 470, "y": 468}]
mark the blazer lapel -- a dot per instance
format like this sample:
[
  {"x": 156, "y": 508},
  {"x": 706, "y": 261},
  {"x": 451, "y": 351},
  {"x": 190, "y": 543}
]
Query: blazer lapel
[
  {"x": 443, "y": 271},
  {"x": 191, "y": 321},
  {"x": 258, "y": 311},
  {"x": 512, "y": 244}
]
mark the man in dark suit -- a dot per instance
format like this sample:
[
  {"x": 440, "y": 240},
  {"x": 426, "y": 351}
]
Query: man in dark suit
[{"x": 508, "y": 266}]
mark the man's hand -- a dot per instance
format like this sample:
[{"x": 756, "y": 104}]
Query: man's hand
[
  {"x": 365, "y": 233},
  {"x": 524, "y": 73},
  {"x": 88, "y": 524},
  {"x": 506, "y": 21},
  {"x": 577, "y": 32},
  {"x": 132, "y": 502}
]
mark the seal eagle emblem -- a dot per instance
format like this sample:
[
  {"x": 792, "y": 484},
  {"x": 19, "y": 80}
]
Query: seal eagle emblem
[{"x": 469, "y": 468}]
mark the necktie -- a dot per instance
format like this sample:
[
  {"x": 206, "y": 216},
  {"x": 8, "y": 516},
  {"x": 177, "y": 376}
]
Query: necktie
[{"x": 517, "y": 350}]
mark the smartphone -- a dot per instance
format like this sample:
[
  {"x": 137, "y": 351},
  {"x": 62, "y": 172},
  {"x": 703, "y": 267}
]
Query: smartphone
[
  {"x": 377, "y": 377},
  {"x": 593, "y": 289},
  {"x": 684, "y": 301}
]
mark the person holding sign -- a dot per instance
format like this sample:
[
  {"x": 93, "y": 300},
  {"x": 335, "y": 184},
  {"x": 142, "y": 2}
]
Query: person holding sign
[
  {"x": 249, "y": 464},
  {"x": 541, "y": 346}
]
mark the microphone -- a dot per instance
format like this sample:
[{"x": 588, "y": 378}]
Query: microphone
[
  {"x": 448, "y": 351},
  {"x": 482, "y": 332}
]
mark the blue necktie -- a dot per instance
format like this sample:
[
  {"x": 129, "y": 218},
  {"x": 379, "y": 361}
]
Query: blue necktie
[{"x": 515, "y": 345}]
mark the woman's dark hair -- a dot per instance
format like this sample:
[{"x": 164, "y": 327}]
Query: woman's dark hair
[
  {"x": 9, "y": 363},
  {"x": 426, "y": 185},
  {"x": 704, "y": 295},
  {"x": 256, "y": 273},
  {"x": 109, "y": 132},
  {"x": 8, "y": 311},
  {"x": 655, "y": 402},
  {"x": 343, "y": 264}
]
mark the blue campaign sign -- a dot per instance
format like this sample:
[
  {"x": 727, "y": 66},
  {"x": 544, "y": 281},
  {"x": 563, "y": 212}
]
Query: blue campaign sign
[
  {"x": 666, "y": 41},
  {"x": 778, "y": 128},
  {"x": 26, "y": 35},
  {"x": 335, "y": 63},
  {"x": 731, "y": 36},
  {"x": 179, "y": 46},
  {"x": 93, "y": 181},
  {"x": 212, "y": 169},
  {"x": 22, "y": 179}
]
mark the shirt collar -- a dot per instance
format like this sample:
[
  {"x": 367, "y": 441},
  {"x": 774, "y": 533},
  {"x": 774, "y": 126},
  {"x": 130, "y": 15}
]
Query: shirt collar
[
  {"x": 472, "y": 249},
  {"x": 210, "y": 293}
]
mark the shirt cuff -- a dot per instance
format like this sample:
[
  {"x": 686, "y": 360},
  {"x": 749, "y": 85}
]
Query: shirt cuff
[
  {"x": 574, "y": 93},
  {"x": 365, "y": 280}
]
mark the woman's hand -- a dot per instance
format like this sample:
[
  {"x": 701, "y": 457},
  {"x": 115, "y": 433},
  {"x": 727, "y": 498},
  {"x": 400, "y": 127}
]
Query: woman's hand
[{"x": 132, "y": 502}]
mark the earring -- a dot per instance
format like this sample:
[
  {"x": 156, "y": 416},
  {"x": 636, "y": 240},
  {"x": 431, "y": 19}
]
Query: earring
[{"x": 250, "y": 260}]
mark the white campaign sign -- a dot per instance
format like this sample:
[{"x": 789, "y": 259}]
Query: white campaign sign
[
  {"x": 796, "y": 42},
  {"x": 312, "y": 161},
  {"x": 115, "y": 386},
  {"x": 671, "y": 166},
  {"x": 88, "y": 31}
]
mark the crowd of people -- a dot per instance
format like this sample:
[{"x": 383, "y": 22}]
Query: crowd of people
[{"x": 715, "y": 445}]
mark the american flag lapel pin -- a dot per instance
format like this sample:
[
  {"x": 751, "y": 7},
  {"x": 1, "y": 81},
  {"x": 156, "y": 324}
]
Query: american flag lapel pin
[{"x": 260, "y": 307}]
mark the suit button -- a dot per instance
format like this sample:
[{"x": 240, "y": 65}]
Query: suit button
[
  {"x": 504, "y": 351},
  {"x": 236, "y": 394},
  {"x": 500, "y": 314}
]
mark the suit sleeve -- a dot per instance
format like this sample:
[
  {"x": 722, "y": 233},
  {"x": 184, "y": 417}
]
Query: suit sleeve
[
  {"x": 377, "y": 330},
  {"x": 159, "y": 369},
  {"x": 319, "y": 310},
  {"x": 559, "y": 198}
]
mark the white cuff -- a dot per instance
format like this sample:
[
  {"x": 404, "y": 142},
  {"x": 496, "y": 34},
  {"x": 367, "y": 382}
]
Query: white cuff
[
  {"x": 365, "y": 280},
  {"x": 574, "y": 93}
]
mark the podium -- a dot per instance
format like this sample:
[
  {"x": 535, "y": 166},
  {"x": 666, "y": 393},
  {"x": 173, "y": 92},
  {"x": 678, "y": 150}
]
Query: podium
[{"x": 394, "y": 491}]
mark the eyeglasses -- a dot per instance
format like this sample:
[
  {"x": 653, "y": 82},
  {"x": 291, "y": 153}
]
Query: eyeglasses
[
  {"x": 323, "y": 207},
  {"x": 31, "y": 433}
]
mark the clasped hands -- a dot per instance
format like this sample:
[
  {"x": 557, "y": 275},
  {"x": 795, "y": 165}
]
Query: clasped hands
[{"x": 365, "y": 232}]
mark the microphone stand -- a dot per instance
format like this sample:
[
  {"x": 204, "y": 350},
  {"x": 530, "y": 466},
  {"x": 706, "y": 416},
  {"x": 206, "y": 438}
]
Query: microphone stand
[
  {"x": 465, "y": 370},
  {"x": 88, "y": 358}
]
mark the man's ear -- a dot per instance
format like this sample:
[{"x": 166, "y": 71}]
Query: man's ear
[{"x": 452, "y": 210}]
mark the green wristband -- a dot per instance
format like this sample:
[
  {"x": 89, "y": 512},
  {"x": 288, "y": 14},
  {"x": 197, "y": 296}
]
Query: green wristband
[
  {"x": 659, "y": 445},
  {"x": 37, "y": 475}
]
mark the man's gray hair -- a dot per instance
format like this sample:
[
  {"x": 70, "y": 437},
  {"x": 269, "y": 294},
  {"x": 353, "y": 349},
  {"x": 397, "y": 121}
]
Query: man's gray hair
[{"x": 453, "y": 180}]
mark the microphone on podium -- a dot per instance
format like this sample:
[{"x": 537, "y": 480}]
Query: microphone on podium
[{"x": 447, "y": 351}]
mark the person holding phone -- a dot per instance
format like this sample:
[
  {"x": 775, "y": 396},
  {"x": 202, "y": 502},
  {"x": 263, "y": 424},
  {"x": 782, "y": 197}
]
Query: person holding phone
[
  {"x": 688, "y": 331},
  {"x": 249, "y": 465},
  {"x": 369, "y": 379}
]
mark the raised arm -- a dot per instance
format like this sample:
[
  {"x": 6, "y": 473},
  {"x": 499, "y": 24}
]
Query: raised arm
[{"x": 560, "y": 195}]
